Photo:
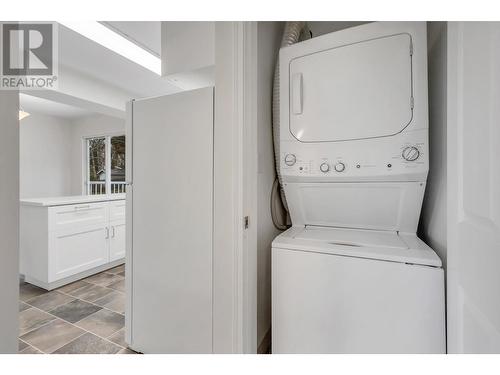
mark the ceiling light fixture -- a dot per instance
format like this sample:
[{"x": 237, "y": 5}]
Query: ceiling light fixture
[
  {"x": 113, "y": 41},
  {"x": 22, "y": 114}
]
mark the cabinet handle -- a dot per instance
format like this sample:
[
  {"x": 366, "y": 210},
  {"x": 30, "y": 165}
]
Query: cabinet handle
[
  {"x": 113, "y": 231},
  {"x": 86, "y": 207},
  {"x": 107, "y": 232}
]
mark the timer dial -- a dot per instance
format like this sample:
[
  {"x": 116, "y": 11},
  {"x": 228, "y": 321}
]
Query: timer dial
[
  {"x": 290, "y": 159},
  {"x": 324, "y": 167},
  {"x": 411, "y": 153}
]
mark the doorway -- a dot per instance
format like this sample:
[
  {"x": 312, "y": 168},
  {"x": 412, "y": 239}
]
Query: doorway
[{"x": 72, "y": 229}]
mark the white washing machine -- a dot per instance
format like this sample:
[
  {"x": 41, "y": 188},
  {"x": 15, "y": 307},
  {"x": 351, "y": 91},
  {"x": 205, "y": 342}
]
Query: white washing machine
[{"x": 351, "y": 276}]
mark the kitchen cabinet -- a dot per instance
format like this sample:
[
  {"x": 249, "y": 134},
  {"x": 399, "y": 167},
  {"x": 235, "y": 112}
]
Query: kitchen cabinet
[
  {"x": 69, "y": 238},
  {"x": 117, "y": 230}
]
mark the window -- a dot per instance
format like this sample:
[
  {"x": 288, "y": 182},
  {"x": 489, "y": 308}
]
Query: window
[{"x": 105, "y": 165}]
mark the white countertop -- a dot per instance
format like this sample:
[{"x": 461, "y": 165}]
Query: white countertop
[{"x": 61, "y": 201}]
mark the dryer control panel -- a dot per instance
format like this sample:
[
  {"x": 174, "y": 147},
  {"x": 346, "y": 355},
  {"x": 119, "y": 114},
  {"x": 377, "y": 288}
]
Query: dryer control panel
[{"x": 404, "y": 156}]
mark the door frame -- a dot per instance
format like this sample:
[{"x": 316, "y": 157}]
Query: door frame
[{"x": 235, "y": 171}]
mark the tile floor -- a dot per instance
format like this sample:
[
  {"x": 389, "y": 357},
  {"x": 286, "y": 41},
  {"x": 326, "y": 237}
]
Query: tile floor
[{"x": 85, "y": 317}]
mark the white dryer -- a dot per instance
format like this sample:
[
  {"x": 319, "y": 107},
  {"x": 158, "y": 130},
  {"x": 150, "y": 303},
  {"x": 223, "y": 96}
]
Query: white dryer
[{"x": 351, "y": 276}]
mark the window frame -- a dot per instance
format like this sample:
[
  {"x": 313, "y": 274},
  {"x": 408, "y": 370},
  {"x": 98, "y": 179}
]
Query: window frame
[{"x": 86, "y": 159}]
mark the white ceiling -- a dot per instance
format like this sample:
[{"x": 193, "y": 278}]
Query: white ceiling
[
  {"x": 33, "y": 104},
  {"x": 84, "y": 55},
  {"x": 146, "y": 34}
]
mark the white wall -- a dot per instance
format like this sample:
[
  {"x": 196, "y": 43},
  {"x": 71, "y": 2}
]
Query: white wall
[
  {"x": 433, "y": 229},
  {"x": 187, "y": 46},
  {"x": 52, "y": 153},
  {"x": 45, "y": 149},
  {"x": 9, "y": 221},
  {"x": 86, "y": 127},
  {"x": 325, "y": 27},
  {"x": 269, "y": 37}
]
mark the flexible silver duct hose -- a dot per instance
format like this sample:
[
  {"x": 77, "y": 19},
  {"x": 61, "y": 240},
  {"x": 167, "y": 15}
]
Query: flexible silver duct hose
[{"x": 291, "y": 36}]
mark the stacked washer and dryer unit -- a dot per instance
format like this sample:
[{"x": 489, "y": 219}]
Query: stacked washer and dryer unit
[{"x": 350, "y": 275}]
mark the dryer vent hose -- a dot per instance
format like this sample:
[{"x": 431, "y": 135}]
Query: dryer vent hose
[{"x": 291, "y": 36}]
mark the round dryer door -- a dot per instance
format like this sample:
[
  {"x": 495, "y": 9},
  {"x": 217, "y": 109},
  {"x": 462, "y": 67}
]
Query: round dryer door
[{"x": 355, "y": 91}]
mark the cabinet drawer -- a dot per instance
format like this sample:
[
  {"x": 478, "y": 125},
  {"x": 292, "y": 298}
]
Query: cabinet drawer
[
  {"x": 63, "y": 218},
  {"x": 117, "y": 210}
]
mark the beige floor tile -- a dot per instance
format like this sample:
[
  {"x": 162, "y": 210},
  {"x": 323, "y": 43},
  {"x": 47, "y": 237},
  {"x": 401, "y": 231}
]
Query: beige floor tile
[
  {"x": 31, "y": 319},
  {"x": 103, "y": 279},
  {"x": 75, "y": 311},
  {"x": 28, "y": 291},
  {"x": 116, "y": 270},
  {"x": 73, "y": 286},
  {"x": 50, "y": 301},
  {"x": 119, "y": 285},
  {"x": 118, "y": 338},
  {"x": 30, "y": 350},
  {"x": 21, "y": 345},
  {"x": 90, "y": 292},
  {"x": 103, "y": 323},
  {"x": 89, "y": 344},
  {"x": 52, "y": 336},
  {"x": 23, "y": 306},
  {"x": 114, "y": 301}
]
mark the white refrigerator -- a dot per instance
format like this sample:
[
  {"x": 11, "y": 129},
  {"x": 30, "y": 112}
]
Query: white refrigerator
[{"x": 170, "y": 223}]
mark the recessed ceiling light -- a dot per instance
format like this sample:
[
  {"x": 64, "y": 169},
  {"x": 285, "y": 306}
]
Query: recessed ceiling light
[
  {"x": 23, "y": 114},
  {"x": 106, "y": 37}
]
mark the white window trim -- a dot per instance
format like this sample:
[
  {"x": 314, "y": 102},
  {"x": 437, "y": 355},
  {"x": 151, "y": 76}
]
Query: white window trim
[{"x": 85, "y": 159}]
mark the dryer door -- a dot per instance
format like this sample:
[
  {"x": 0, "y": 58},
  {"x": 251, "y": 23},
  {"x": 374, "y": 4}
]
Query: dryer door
[{"x": 360, "y": 90}]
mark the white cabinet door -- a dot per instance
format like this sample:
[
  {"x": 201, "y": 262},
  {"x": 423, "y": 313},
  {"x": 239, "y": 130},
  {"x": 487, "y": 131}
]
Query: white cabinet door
[
  {"x": 172, "y": 208},
  {"x": 473, "y": 187},
  {"x": 76, "y": 250},
  {"x": 117, "y": 240},
  {"x": 117, "y": 210}
]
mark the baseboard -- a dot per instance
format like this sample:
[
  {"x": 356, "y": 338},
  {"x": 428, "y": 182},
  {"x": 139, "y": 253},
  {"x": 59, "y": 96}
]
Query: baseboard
[
  {"x": 265, "y": 344},
  {"x": 73, "y": 278}
]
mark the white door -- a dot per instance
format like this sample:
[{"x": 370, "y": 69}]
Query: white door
[
  {"x": 473, "y": 187},
  {"x": 172, "y": 208}
]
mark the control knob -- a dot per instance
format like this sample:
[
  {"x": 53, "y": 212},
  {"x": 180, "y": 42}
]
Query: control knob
[
  {"x": 290, "y": 159},
  {"x": 324, "y": 167},
  {"x": 340, "y": 167},
  {"x": 411, "y": 153}
]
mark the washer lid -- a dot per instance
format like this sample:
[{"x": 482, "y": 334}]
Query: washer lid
[
  {"x": 371, "y": 244},
  {"x": 356, "y": 91},
  {"x": 353, "y": 237}
]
